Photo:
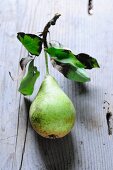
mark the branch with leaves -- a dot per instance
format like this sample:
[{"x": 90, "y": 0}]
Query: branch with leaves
[{"x": 72, "y": 66}]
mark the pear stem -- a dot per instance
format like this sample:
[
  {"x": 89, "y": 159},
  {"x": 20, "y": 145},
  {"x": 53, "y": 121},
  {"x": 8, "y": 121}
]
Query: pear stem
[
  {"x": 46, "y": 62},
  {"x": 44, "y": 35}
]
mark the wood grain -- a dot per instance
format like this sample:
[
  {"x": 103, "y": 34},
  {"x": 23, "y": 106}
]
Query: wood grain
[{"x": 88, "y": 146}]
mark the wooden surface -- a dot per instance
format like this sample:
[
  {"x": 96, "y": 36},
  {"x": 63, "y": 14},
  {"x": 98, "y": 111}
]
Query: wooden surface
[{"x": 88, "y": 146}]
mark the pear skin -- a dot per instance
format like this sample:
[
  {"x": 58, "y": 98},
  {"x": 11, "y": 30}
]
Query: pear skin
[{"x": 52, "y": 114}]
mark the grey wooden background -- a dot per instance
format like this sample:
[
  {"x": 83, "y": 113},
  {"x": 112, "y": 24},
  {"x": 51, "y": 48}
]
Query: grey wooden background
[{"x": 88, "y": 146}]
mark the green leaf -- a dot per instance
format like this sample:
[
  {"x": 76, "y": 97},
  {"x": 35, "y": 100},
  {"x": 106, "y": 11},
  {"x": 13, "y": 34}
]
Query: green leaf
[
  {"x": 67, "y": 63},
  {"x": 70, "y": 65},
  {"x": 28, "y": 82},
  {"x": 78, "y": 74},
  {"x": 31, "y": 42},
  {"x": 88, "y": 61},
  {"x": 64, "y": 56},
  {"x": 71, "y": 72}
]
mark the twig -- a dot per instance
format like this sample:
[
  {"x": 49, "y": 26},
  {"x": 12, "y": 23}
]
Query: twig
[
  {"x": 108, "y": 118},
  {"x": 90, "y": 7},
  {"x": 44, "y": 35},
  {"x": 46, "y": 28},
  {"x": 11, "y": 76}
]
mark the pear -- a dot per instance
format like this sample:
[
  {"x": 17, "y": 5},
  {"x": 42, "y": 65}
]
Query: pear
[{"x": 52, "y": 114}]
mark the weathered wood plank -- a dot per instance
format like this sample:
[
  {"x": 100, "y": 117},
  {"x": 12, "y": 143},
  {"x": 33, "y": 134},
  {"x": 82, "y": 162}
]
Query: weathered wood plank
[
  {"x": 9, "y": 98},
  {"x": 88, "y": 146}
]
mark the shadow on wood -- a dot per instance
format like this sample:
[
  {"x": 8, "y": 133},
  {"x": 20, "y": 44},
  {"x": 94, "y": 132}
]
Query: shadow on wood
[
  {"x": 57, "y": 154},
  {"x": 82, "y": 88},
  {"x": 86, "y": 103},
  {"x": 27, "y": 103}
]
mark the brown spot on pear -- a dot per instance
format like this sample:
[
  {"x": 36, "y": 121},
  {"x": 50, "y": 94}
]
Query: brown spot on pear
[{"x": 52, "y": 113}]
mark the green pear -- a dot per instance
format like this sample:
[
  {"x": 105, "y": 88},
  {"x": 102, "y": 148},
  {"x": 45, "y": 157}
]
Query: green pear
[{"x": 52, "y": 113}]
